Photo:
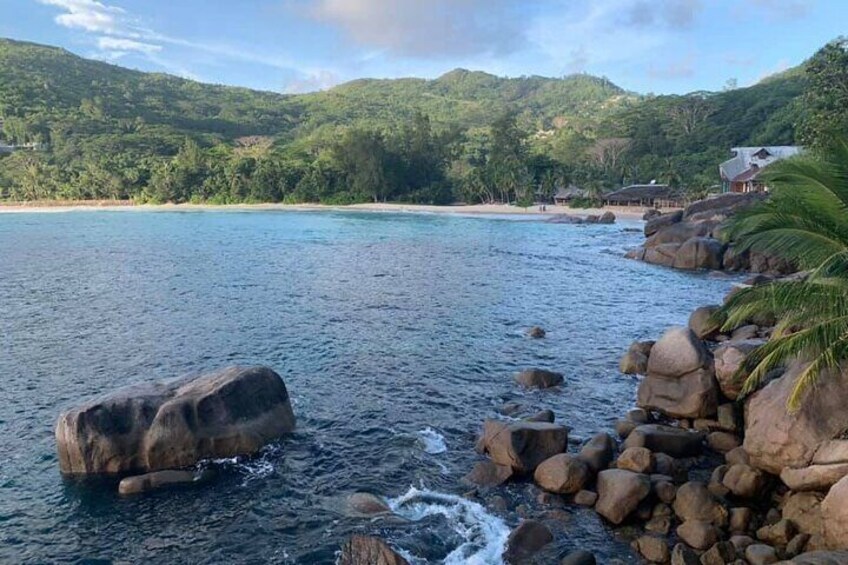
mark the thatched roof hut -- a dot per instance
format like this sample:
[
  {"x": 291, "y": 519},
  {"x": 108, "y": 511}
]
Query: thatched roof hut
[
  {"x": 643, "y": 195},
  {"x": 565, "y": 195}
]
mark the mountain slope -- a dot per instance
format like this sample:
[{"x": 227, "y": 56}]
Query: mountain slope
[{"x": 115, "y": 132}]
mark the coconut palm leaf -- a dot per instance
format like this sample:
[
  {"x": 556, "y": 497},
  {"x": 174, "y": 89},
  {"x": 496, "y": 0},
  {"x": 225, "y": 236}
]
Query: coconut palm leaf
[{"x": 805, "y": 221}]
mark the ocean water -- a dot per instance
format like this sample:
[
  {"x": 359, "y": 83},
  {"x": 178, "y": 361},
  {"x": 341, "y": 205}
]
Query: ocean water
[{"x": 396, "y": 334}]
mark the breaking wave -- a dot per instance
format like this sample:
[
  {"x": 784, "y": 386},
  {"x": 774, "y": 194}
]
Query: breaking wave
[{"x": 484, "y": 534}]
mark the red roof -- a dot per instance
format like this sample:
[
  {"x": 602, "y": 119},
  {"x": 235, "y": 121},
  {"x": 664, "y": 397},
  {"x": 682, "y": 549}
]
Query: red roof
[{"x": 748, "y": 175}]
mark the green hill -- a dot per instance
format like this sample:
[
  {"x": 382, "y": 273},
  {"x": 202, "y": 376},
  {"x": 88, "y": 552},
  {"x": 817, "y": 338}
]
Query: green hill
[{"x": 113, "y": 132}]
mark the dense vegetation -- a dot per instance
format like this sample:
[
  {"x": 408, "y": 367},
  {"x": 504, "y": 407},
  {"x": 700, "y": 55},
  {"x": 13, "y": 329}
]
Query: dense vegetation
[{"x": 108, "y": 132}]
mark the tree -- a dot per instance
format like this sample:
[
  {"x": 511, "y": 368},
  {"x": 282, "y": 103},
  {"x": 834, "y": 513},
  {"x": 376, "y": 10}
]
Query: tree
[
  {"x": 362, "y": 158},
  {"x": 692, "y": 111},
  {"x": 806, "y": 222},
  {"x": 826, "y": 96},
  {"x": 507, "y": 164},
  {"x": 607, "y": 153}
]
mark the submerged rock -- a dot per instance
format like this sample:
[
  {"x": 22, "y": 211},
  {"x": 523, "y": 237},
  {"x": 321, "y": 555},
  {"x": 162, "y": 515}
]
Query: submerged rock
[
  {"x": 579, "y": 557},
  {"x": 528, "y": 538},
  {"x": 176, "y": 423},
  {"x": 366, "y": 504},
  {"x": 536, "y": 332},
  {"x": 154, "y": 481},
  {"x": 539, "y": 378},
  {"x": 487, "y": 474}
]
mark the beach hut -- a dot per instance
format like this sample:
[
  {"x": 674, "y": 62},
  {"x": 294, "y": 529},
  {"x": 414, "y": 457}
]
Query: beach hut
[
  {"x": 564, "y": 195},
  {"x": 653, "y": 195}
]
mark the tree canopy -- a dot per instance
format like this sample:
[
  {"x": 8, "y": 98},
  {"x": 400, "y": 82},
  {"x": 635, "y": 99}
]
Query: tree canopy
[{"x": 107, "y": 132}]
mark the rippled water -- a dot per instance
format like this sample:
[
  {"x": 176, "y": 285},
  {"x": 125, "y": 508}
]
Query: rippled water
[{"x": 397, "y": 334}]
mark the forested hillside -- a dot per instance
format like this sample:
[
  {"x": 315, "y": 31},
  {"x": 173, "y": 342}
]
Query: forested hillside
[{"x": 109, "y": 132}]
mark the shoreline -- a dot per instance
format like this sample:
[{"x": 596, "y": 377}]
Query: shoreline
[{"x": 624, "y": 212}]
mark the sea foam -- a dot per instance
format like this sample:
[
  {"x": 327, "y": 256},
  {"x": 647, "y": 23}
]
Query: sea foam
[
  {"x": 434, "y": 442},
  {"x": 485, "y": 535}
]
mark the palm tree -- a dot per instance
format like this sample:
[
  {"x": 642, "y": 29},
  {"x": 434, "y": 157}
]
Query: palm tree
[{"x": 806, "y": 222}]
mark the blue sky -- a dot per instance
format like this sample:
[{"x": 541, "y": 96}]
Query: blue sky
[{"x": 659, "y": 46}]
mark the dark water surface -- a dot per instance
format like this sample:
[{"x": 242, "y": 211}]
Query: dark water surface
[{"x": 396, "y": 334}]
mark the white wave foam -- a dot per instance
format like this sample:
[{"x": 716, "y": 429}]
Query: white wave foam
[
  {"x": 434, "y": 442},
  {"x": 485, "y": 535},
  {"x": 259, "y": 466}
]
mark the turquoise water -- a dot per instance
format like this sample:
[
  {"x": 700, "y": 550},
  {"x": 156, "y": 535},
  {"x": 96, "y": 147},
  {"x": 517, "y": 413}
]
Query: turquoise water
[{"x": 396, "y": 334}]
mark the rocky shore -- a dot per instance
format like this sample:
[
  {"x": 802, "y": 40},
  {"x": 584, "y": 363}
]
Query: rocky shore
[
  {"x": 696, "y": 474},
  {"x": 691, "y": 239}
]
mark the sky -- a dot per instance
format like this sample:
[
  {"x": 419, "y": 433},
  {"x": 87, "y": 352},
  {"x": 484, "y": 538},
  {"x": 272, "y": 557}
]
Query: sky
[{"x": 647, "y": 46}]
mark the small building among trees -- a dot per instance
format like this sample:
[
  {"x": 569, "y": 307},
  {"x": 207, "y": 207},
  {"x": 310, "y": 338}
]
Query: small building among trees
[
  {"x": 742, "y": 172},
  {"x": 564, "y": 195},
  {"x": 651, "y": 195}
]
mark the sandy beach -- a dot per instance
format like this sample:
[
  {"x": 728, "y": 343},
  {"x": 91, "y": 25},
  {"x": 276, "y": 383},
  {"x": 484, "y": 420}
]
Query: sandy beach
[{"x": 485, "y": 209}]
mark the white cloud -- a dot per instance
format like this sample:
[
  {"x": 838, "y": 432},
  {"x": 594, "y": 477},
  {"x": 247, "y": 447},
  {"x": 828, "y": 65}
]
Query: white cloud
[
  {"x": 92, "y": 16},
  {"x": 425, "y": 28},
  {"x": 119, "y": 34},
  {"x": 318, "y": 80},
  {"x": 121, "y": 44}
]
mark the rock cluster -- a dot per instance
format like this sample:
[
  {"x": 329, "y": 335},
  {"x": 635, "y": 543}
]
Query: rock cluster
[
  {"x": 605, "y": 218},
  {"x": 691, "y": 239},
  {"x": 781, "y": 494}
]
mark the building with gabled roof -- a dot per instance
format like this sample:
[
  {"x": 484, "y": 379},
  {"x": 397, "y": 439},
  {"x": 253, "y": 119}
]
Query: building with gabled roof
[{"x": 742, "y": 172}]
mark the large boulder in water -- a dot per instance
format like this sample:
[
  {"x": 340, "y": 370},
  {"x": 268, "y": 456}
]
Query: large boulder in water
[
  {"x": 175, "y": 423},
  {"x": 776, "y": 438},
  {"x": 522, "y": 445}
]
